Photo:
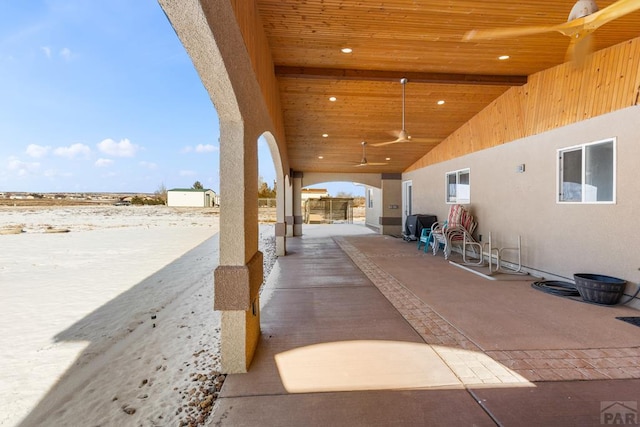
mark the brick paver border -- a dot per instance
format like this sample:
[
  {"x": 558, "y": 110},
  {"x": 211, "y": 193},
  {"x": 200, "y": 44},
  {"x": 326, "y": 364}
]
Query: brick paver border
[{"x": 471, "y": 364}]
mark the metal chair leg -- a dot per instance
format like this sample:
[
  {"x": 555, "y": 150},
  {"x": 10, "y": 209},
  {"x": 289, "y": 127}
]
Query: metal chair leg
[
  {"x": 465, "y": 243},
  {"x": 518, "y": 270}
]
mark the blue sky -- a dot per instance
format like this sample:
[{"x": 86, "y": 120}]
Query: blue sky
[{"x": 100, "y": 96}]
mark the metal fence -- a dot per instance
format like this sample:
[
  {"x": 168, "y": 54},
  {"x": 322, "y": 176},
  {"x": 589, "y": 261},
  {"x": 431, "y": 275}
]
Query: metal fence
[
  {"x": 328, "y": 210},
  {"x": 266, "y": 203}
]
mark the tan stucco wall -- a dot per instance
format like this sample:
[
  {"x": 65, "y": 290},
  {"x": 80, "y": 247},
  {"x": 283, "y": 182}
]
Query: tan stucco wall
[
  {"x": 557, "y": 238},
  {"x": 391, "y": 219}
]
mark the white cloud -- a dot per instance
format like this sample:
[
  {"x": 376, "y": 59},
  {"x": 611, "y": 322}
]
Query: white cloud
[
  {"x": 101, "y": 163},
  {"x": 65, "y": 53},
  {"x": 124, "y": 148},
  {"x": 22, "y": 168},
  {"x": 208, "y": 148},
  {"x": 187, "y": 173},
  {"x": 200, "y": 148},
  {"x": 37, "y": 151},
  {"x": 148, "y": 165},
  {"x": 73, "y": 151},
  {"x": 53, "y": 173},
  {"x": 47, "y": 51}
]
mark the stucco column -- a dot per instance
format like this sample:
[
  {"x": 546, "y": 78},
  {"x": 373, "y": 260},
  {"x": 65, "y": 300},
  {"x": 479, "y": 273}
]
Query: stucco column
[
  {"x": 288, "y": 208},
  {"x": 391, "y": 219},
  {"x": 297, "y": 203},
  {"x": 240, "y": 272},
  {"x": 281, "y": 224}
]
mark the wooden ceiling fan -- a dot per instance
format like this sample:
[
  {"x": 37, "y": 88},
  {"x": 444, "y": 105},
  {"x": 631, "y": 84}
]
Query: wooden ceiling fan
[
  {"x": 583, "y": 20},
  {"x": 402, "y": 135},
  {"x": 363, "y": 161}
]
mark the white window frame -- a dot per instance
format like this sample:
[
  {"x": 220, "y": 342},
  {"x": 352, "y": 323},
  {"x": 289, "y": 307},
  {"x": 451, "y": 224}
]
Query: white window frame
[
  {"x": 559, "y": 173},
  {"x": 455, "y": 200}
]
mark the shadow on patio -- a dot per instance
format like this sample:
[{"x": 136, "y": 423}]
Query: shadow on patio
[{"x": 363, "y": 329}]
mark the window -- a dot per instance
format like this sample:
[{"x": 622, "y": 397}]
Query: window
[
  {"x": 458, "y": 186},
  {"x": 370, "y": 198},
  {"x": 586, "y": 173}
]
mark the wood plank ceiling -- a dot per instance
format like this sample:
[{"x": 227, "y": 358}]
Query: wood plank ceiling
[{"x": 420, "y": 40}]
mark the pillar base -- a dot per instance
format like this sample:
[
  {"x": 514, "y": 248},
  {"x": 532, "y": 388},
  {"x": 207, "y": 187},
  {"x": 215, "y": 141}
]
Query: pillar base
[
  {"x": 390, "y": 225},
  {"x": 281, "y": 239},
  {"x": 239, "y": 335},
  {"x": 289, "y": 226},
  {"x": 391, "y": 230},
  {"x": 297, "y": 225},
  {"x": 281, "y": 245},
  {"x": 236, "y": 295}
]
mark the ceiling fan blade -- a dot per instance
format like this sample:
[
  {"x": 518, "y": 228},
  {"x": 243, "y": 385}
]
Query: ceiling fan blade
[
  {"x": 611, "y": 12},
  {"x": 369, "y": 164},
  {"x": 568, "y": 28},
  {"x": 588, "y": 24},
  {"x": 382, "y": 144},
  {"x": 506, "y": 32},
  {"x": 364, "y": 162},
  {"x": 580, "y": 47},
  {"x": 401, "y": 136}
]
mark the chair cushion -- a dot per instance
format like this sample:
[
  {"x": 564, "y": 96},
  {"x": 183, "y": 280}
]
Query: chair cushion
[
  {"x": 455, "y": 215},
  {"x": 467, "y": 221}
]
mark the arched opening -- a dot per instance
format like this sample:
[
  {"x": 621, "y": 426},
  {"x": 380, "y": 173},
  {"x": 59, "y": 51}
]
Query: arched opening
[
  {"x": 272, "y": 189},
  {"x": 267, "y": 182},
  {"x": 333, "y": 202}
]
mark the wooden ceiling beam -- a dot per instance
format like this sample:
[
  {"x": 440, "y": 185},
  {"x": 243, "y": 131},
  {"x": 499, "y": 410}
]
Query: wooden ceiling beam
[{"x": 414, "y": 77}]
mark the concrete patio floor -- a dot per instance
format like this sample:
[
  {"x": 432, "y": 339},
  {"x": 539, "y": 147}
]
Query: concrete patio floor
[{"x": 360, "y": 329}]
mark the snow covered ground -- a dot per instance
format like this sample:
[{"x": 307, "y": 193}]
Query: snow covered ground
[{"x": 110, "y": 323}]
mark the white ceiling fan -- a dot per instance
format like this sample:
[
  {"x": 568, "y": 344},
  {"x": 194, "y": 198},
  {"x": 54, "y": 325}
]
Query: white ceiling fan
[
  {"x": 364, "y": 161},
  {"x": 402, "y": 135},
  {"x": 583, "y": 20}
]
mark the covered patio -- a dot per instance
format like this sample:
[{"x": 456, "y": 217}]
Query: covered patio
[
  {"x": 360, "y": 329},
  {"x": 315, "y": 79}
]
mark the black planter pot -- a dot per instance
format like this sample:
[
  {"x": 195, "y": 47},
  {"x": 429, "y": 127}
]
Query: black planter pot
[{"x": 599, "y": 289}]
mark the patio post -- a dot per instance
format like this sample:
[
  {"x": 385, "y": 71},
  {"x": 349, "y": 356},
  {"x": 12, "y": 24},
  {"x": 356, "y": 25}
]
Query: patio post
[
  {"x": 391, "y": 219},
  {"x": 238, "y": 278},
  {"x": 288, "y": 207},
  {"x": 281, "y": 222},
  {"x": 297, "y": 203}
]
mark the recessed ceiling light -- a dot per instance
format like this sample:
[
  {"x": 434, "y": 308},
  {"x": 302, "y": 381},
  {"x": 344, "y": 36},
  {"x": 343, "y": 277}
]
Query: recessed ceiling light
[
  {"x": 346, "y": 50},
  {"x": 503, "y": 57},
  {"x": 320, "y": 157},
  {"x": 325, "y": 135},
  {"x": 332, "y": 98},
  {"x": 388, "y": 158},
  {"x": 441, "y": 102}
]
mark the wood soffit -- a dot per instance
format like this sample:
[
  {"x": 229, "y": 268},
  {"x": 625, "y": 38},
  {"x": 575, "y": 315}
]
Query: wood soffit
[{"x": 392, "y": 39}]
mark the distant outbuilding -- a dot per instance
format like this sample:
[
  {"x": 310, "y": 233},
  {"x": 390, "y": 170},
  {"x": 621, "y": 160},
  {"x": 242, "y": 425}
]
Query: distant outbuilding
[{"x": 191, "y": 197}]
